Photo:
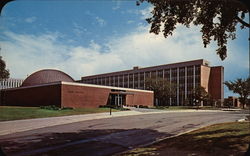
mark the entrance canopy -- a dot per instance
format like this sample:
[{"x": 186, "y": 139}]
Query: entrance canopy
[{"x": 121, "y": 93}]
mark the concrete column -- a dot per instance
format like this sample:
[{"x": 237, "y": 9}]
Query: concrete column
[
  {"x": 133, "y": 80},
  {"x": 163, "y": 76},
  {"x": 118, "y": 81},
  {"x": 194, "y": 77},
  {"x": 139, "y": 78},
  {"x": 185, "y": 83},
  {"x": 128, "y": 80},
  {"x": 118, "y": 101},
  {"x": 178, "y": 88},
  {"x": 123, "y": 80},
  {"x": 170, "y": 79},
  {"x": 144, "y": 81}
]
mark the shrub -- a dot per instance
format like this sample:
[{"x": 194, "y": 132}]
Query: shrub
[
  {"x": 141, "y": 106},
  {"x": 107, "y": 106},
  {"x": 50, "y": 107},
  {"x": 67, "y": 108},
  {"x": 159, "y": 107}
]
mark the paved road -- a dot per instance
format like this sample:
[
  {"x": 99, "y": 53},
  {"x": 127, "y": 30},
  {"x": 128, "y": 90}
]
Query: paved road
[{"x": 111, "y": 135}]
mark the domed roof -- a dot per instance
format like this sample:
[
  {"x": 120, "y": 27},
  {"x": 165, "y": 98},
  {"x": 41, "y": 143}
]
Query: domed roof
[{"x": 46, "y": 76}]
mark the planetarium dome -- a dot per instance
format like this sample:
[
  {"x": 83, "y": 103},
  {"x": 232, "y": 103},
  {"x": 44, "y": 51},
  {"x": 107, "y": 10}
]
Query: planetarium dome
[{"x": 46, "y": 76}]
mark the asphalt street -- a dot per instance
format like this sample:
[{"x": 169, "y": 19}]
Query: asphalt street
[{"x": 110, "y": 135}]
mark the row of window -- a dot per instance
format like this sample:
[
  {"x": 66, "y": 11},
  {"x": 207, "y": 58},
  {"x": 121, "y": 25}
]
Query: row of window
[
  {"x": 121, "y": 80},
  {"x": 153, "y": 74},
  {"x": 10, "y": 83}
]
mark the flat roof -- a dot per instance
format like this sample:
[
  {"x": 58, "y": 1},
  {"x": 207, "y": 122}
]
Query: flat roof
[
  {"x": 79, "y": 84},
  {"x": 108, "y": 87},
  {"x": 158, "y": 67}
]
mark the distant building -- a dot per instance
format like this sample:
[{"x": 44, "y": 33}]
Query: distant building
[
  {"x": 186, "y": 76},
  {"x": 232, "y": 101},
  {"x": 53, "y": 87},
  {"x": 10, "y": 83}
]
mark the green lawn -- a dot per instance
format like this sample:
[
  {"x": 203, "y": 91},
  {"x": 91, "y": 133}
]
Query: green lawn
[
  {"x": 16, "y": 113},
  {"x": 220, "y": 139},
  {"x": 185, "y": 107}
]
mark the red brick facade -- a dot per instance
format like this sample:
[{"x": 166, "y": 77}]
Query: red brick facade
[
  {"x": 32, "y": 96},
  {"x": 65, "y": 94},
  {"x": 216, "y": 82},
  {"x": 79, "y": 96}
]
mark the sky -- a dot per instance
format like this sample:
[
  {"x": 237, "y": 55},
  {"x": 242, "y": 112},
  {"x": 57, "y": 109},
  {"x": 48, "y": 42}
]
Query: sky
[{"x": 83, "y": 37}]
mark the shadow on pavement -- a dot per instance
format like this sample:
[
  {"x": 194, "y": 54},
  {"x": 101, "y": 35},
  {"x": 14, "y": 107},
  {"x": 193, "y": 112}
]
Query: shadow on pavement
[{"x": 86, "y": 142}]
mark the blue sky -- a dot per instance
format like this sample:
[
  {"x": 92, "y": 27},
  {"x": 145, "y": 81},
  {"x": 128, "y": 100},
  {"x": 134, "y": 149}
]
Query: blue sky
[{"x": 91, "y": 37}]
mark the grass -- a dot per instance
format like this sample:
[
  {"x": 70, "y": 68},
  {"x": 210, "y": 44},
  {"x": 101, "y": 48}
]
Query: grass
[
  {"x": 16, "y": 113},
  {"x": 184, "y": 107},
  {"x": 220, "y": 139}
]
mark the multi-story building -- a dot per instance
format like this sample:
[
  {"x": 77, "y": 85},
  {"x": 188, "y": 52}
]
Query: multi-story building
[
  {"x": 186, "y": 76},
  {"x": 10, "y": 83}
]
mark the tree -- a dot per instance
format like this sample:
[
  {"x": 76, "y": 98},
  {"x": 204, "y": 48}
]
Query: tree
[
  {"x": 241, "y": 87},
  {"x": 200, "y": 95},
  {"x": 162, "y": 88},
  {"x": 217, "y": 18},
  {"x": 4, "y": 73},
  {"x": 3, "y": 3}
]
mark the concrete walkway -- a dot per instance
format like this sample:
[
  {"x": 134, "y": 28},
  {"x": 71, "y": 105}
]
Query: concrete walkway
[{"x": 9, "y": 127}]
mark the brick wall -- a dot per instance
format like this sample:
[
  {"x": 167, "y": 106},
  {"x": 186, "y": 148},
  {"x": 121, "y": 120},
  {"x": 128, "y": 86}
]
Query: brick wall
[
  {"x": 33, "y": 96},
  {"x": 216, "y": 86},
  {"x": 64, "y": 95},
  {"x": 82, "y": 96},
  {"x": 93, "y": 97},
  {"x": 140, "y": 98}
]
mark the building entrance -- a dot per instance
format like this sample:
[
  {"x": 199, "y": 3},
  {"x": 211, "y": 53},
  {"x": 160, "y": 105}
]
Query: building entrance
[{"x": 117, "y": 100}]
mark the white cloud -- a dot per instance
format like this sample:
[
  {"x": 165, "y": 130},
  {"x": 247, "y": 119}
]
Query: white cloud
[
  {"x": 146, "y": 13},
  {"x": 78, "y": 30},
  {"x": 94, "y": 45},
  {"x": 117, "y": 5},
  {"x": 100, "y": 21},
  {"x": 30, "y": 19},
  {"x": 25, "y": 54},
  {"x": 130, "y": 21}
]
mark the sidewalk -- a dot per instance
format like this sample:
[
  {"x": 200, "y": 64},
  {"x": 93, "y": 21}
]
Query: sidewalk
[{"x": 9, "y": 127}]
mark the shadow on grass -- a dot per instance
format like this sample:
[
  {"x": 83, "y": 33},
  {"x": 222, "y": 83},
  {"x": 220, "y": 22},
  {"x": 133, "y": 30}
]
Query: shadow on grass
[
  {"x": 85, "y": 142},
  {"x": 216, "y": 132},
  {"x": 227, "y": 141}
]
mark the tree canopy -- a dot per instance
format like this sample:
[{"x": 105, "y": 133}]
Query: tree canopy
[
  {"x": 162, "y": 88},
  {"x": 241, "y": 87},
  {"x": 4, "y": 73},
  {"x": 200, "y": 94},
  {"x": 217, "y": 18}
]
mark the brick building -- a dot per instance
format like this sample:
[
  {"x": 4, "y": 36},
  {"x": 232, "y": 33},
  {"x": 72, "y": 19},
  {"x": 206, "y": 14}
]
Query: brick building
[
  {"x": 53, "y": 87},
  {"x": 186, "y": 75},
  {"x": 232, "y": 101}
]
